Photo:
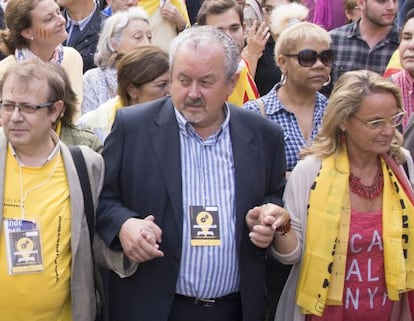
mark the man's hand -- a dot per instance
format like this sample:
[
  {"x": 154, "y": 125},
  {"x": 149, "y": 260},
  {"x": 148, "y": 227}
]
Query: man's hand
[
  {"x": 140, "y": 239},
  {"x": 263, "y": 222}
]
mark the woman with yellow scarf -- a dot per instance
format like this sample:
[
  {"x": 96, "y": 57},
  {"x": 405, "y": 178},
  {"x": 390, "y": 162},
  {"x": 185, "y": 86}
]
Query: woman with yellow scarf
[{"x": 351, "y": 204}]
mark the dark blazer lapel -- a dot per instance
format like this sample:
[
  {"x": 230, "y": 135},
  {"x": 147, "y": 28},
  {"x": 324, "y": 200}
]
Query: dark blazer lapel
[
  {"x": 166, "y": 143},
  {"x": 245, "y": 154}
]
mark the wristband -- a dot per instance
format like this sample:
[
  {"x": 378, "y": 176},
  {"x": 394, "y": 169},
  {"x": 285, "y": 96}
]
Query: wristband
[{"x": 284, "y": 228}]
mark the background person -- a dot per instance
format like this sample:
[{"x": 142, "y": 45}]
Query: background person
[
  {"x": 118, "y": 5},
  {"x": 329, "y": 14},
  {"x": 227, "y": 16},
  {"x": 355, "y": 166},
  {"x": 404, "y": 79},
  {"x": 83, "y": 24},
  {"x": 121, "y": 33},
  {"x": 277, "y": 15},
  {"x": 37, "y": 30},
  {"x": 64, "y": 127},
  {"x": 367, "y": 43},
  {"x": 304, "y": 56},
  {"x": 167, "y": 19},
  {"x": 143, "y": 76},
  {"x": 352, "y": 11}
]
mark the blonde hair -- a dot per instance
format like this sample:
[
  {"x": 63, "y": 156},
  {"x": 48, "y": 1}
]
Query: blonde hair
[
  {"x": 285, "y": 15},
  {"x": 345, "y": 100},
  {"x": 293, "y": 35}
]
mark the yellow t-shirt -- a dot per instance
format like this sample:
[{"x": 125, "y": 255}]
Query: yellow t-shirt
[{"x": 44, "y": 295}]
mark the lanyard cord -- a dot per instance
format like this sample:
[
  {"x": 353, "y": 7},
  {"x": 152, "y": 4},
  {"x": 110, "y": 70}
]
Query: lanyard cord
[{"x": 23, "y": 197}]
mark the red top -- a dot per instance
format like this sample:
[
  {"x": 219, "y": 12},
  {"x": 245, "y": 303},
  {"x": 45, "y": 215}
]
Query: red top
[{"x": 364, "y": 296}]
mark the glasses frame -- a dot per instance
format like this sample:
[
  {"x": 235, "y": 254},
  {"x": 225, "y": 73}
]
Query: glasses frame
[
  {"x": 25, "y": 108},
  {"x": 315, "y": 56},
  {"x": 379, "y": 123}
]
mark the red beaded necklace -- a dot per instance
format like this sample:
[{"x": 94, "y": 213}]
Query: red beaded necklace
[{"x": 367, "y": 192}]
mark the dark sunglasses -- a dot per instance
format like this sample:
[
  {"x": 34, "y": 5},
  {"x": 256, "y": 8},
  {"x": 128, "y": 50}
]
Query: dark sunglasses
[{"x": 307, "y": 57}]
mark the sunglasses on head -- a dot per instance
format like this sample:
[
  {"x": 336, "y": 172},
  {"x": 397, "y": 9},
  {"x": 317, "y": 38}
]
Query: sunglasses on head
[{"x": 308, "y": 57}]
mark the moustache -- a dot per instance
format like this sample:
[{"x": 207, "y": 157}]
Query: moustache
[{"x": 194, "y": 102}]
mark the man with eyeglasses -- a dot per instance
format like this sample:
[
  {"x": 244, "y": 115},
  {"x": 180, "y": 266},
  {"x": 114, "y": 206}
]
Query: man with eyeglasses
[
  {"x": 46, "y": 260},
  {"x": 367, "y": 43}
]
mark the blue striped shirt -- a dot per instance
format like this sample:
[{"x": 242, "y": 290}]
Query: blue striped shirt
[
  {"x": 208, "y": 179},
  {"x": 277, "y": 113}
]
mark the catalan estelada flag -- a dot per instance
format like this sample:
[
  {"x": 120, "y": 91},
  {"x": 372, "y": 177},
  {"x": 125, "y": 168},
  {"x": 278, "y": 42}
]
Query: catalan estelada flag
[
  {"x": 245, "y": 89},
  {"x": 394, "y": 64}
]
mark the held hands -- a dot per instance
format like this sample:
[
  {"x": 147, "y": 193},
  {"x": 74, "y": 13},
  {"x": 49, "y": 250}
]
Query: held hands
[
  {"x": 263, "y": 222},
  {"x": 140, "y": 239}
]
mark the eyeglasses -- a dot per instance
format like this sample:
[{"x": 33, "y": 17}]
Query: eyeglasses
[
  {"x": 8, "y": 107},
  {"x": 379, "y": 123},
  {"x": 308, "y": 57}
]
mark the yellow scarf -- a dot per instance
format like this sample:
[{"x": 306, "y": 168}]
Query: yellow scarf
[
  {"x": 111, "y": 114},
  {"x": 322, "y": 274}
]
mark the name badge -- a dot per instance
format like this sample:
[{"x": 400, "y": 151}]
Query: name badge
[
  {"x": 24, "y": 254},
  {"x": 205, "y": 225}
]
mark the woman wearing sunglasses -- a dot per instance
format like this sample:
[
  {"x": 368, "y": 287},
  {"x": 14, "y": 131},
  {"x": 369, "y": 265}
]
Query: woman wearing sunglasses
[
  {"x": 351, "y": 205},
  {"x": 303, "y": 54}
]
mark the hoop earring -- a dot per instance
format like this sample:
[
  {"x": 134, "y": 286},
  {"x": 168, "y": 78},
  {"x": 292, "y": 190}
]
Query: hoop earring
[
  {"x": 342, "y": 137},
  {"x": 328, "y": 81},
  {"x": 283, "y": 80}
]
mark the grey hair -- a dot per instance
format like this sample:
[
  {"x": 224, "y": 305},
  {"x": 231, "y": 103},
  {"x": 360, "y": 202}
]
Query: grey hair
[
  {"x": 111, "y": 34},
  {"x": 207, "y": 36}
]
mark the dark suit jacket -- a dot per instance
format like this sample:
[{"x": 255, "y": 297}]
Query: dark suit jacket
[
  {"x": 87, "y": 40},
  {"x": 143, "y": 176}
]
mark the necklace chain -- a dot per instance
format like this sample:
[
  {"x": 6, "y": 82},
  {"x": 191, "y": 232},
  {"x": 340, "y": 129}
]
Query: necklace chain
[{"x": 364, "y": 191}]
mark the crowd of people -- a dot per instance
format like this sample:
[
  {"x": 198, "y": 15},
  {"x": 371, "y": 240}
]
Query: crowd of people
[{"x": 207, "y": 160}]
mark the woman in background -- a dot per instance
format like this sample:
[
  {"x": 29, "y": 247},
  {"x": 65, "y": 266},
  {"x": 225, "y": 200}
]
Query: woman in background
[
  {"x": 36, "y": 31},
  {"x": 304, "y": 56},
  {"x": 122, "y": 32},
  {"x": 143, "y": 75},
  {"x": 64, "y": 127},
  {"x": 404, "y": 78}
]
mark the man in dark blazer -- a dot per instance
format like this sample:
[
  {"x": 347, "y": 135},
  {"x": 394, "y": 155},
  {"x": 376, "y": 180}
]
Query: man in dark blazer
[
  {"x": 89, "y": 18},
  {"x": 156, "y": 208}
]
